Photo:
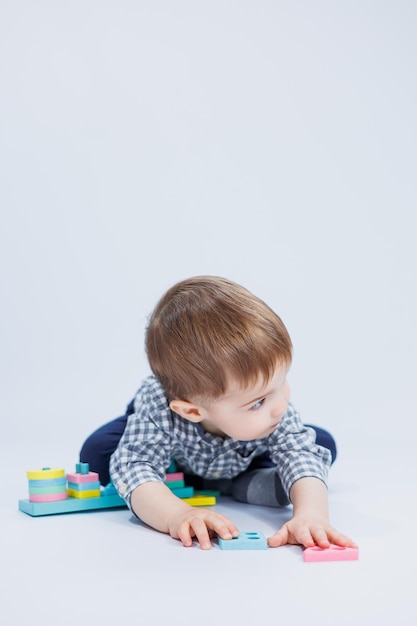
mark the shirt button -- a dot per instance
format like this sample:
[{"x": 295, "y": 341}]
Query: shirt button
[{"x": 216, "y": 474}]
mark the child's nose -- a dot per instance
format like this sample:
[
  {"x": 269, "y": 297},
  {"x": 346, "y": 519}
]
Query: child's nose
[{"x": 279, "y": 408}]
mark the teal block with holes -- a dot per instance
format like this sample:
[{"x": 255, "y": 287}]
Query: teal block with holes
[{"x": 249, "y": 540}]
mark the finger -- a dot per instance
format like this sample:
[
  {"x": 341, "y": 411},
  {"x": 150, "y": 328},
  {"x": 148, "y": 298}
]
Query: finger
[
  {"x": 223, "y": 527},
  {"x": 184, "y": 534},
  {"x": 305, "y": 538},
  {"x": 329, "y": 535},
  {"x": 340, "y": 539},
  {"x": 201, "y": 533},
  {"x": 320, "y": 538},
  {"x": 280, "y": 538}
]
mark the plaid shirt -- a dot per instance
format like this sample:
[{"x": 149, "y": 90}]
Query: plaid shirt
[{"x": 155, "y": 435}]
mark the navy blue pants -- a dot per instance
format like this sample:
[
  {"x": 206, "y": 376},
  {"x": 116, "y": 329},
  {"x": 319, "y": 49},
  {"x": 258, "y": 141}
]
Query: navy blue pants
[{"x": 100, "y": 445}]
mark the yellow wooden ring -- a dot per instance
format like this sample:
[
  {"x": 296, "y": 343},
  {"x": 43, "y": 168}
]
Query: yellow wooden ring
[{"x": 45, "y": 473}]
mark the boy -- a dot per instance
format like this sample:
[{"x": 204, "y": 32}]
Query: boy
[{"x": 218, "y": 404}]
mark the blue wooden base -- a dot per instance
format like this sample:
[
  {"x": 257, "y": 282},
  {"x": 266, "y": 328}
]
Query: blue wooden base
[{"x": 71, "y": 505}]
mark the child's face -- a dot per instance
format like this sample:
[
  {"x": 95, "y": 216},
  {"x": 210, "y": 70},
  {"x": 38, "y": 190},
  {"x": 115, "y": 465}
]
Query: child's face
[{"x": 251, "y": 413}]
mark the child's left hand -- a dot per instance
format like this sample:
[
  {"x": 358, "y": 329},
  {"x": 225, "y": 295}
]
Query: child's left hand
[{"x": 309, "y": 531}]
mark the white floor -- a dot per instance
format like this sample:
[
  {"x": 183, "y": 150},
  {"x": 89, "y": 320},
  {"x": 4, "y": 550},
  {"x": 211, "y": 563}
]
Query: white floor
[
  {"x": 102, "y": 567},
  {"x": 273, "y": 143}
]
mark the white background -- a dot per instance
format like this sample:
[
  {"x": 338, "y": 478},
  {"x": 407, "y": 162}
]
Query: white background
[{"x": 273, "y": 143}]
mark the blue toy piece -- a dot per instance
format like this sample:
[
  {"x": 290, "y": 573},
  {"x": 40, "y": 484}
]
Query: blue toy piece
[
  {"x": 82, "y": 468},
  {"x": 71, "y": 505},
  {"x": 172, "y": 468},
  {"x": 183, "y": 492},
  {"x": 250, "y": 540},
  {"x": 84, "y": 486},
  {"x": 109, "y": 490},
  {"x": 175, "y": 484}
]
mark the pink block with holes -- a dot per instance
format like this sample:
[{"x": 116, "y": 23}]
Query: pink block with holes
[{"x": 334, "y": 553}]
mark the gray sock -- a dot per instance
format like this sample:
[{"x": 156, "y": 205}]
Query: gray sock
[{"x": 261, "y": 486}]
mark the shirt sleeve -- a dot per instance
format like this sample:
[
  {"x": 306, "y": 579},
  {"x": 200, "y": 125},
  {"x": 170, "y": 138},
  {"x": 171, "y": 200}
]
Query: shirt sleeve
[
  {"x": 143, "y": 453},
  {"x": 294, "y": 449}
]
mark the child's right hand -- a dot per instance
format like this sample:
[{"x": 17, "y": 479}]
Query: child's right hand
[
  {"x": 201, "y": 524},
  {"x": 158, "y": 507}
]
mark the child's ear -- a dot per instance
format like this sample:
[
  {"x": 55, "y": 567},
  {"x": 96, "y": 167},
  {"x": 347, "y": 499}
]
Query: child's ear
[{"x": 187, "y": 410}]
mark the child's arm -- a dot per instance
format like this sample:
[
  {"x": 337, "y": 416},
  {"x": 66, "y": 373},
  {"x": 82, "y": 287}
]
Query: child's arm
[
  {"x": 156, "y": 505},
  {"x": 310, "y": 524}
]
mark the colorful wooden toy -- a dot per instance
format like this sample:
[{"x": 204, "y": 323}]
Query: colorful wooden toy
[
  {"x": 47, "y": 485},
  {"x": 71, "y": 505},
  {"x": 52, "y": 492},
  {"x": 83, "y": 484}
]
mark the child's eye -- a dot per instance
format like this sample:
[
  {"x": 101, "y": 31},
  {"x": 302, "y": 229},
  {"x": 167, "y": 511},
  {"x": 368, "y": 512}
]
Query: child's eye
[{"x": 257, "y": 405}]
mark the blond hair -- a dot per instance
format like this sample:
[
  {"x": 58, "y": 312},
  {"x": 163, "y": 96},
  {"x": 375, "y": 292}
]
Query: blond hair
[{"x": 207, "y": 329}]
